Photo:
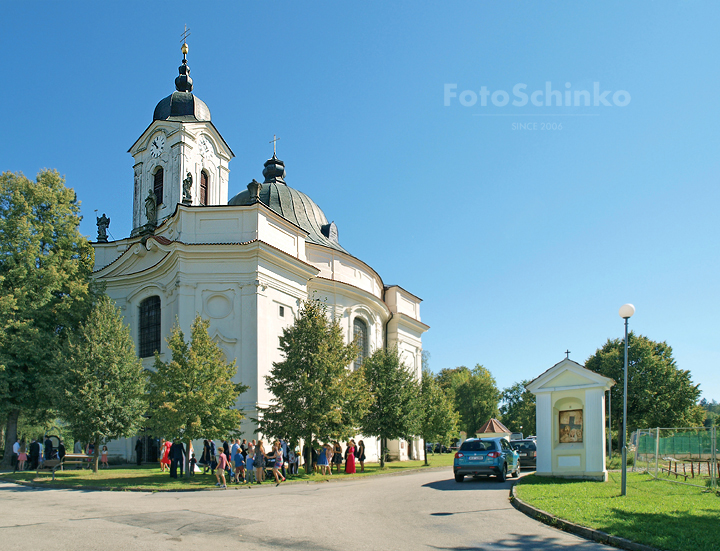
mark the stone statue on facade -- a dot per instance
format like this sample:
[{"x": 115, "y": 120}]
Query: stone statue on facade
[
  {"x": 187, "y": 189},
  {"x": 151, "y": 209},
  {"x": 102, "y": 224}
]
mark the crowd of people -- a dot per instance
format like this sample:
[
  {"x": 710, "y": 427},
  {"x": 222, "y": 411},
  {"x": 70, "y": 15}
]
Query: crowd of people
[
  {"x": 31, "y": 457},
  {"x": 243, "y": 462},
  {"x": 234, "y": 461}
]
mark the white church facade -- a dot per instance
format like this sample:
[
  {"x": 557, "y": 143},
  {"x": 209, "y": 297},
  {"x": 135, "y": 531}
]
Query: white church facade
[{"x": 244, "y": 263}]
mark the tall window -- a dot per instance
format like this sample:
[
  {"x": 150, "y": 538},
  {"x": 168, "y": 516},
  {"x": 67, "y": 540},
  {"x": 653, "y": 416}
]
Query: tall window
[
  {"x": 158, "y": 186},
  {"x": 149, "y": 326},
  {"x": 203, "y": 188},
  {"x": 360, "y": 334}
]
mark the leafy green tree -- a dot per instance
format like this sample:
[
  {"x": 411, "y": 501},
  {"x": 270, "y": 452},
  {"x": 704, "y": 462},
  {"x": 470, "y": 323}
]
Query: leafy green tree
[
  {"x": 474, "y": 393},
  {"x": 394, "y": 411},
  {"x": 45, "y": 289},
  {"x": 192, "y": 396},
  {"x": 438, "y": 418},
  {"x": 315, "y": 395},
  {"x": 659, "y": 393},
  {"x": 518, "y": 408},
  {"x": 711, "y": 412},
  {"x": 103, "y": 392}
]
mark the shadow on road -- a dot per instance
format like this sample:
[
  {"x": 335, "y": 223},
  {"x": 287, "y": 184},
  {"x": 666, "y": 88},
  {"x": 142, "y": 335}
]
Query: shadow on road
[
  {"x": 470, "y": 484},
  {"x": 523, "y": 541}
]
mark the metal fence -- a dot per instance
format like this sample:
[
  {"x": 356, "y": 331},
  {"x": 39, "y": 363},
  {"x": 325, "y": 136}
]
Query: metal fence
[{"x": 683, "y": 455}]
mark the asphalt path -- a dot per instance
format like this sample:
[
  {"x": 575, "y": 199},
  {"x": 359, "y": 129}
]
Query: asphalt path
[{"x": 423, "y": 510}]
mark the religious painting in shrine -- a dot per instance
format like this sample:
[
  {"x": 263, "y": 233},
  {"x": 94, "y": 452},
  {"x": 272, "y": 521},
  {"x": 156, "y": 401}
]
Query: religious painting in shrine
[{"x": 571, "y": 426}]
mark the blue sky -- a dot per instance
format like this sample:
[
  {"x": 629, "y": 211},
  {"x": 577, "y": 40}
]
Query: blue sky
[{"x": 523, "y": 238}]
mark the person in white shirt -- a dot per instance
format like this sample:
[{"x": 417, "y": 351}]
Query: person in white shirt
[{"x": 15, "y": 453}]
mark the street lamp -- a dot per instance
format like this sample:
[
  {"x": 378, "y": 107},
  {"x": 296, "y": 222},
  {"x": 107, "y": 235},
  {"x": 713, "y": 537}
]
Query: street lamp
[{"x": 626, "y": 312}]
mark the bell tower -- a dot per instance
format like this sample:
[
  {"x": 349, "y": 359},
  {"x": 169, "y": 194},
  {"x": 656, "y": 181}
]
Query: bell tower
[{"x": 179, "y": 158}]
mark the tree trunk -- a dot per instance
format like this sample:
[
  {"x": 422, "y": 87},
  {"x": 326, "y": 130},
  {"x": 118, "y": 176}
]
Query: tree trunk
[
  {"x": 308, "y": 456},
  {"x": 96, "y": 455},
  {"x": 425, "y": 446},
  {"x": 382, "y": 452},
  {"x": 10, "y": 436}
]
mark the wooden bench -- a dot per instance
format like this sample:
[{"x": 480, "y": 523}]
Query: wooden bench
[
  {"x": 69, "y": 459},
  {"x": 49, "y": 465}
]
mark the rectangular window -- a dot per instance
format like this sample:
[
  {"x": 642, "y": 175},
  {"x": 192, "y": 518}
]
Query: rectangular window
[
  {"x": 149, "y": 326},
  {"x": 282, "y": 311},
  {"x": 158, "y": 186}
]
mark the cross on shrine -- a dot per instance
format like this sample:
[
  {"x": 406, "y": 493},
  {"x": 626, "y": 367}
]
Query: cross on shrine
[
  {"x": 572, "y": 424},
  {"x": 567, "y": 354},
  {"x": 185, "y": 34},
  {"x": 274, "y": 141}
]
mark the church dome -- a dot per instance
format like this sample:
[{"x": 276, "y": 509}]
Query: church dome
[
  {"x": 291, "y": 204},
  {"x": 182, "y": 105}
]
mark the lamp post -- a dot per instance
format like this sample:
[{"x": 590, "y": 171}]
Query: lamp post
[{"x": 626, "y": 312}]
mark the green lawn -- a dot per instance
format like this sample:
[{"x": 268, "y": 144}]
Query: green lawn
[
  {"x": 657, "y": 513},
  {"x": 149, "y": 477}
]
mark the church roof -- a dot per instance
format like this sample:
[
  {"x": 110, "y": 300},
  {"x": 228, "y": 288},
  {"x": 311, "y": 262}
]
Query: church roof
[
  {"x": 291, "y": 204},
  {"x": 182, "y": 106},
  {"x": 492, "y": 426}
]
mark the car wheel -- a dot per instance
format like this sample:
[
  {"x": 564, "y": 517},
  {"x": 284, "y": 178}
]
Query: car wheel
[
  {"x": 459, "y": 477},
  {"x": 503, "y": 473},
  {"x": 516, "y": 473}
]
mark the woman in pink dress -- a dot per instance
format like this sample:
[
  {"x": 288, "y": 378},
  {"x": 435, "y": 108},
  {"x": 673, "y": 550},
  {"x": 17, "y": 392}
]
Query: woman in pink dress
[
  {"x": 350, "y": 458},
  {"x": 165, "y": 455}
]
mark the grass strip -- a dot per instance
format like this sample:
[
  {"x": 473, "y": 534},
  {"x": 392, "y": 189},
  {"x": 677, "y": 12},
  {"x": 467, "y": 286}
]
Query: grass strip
[
  {"x": 149, "y": 477},
  {"x": 661, "y": 514}
]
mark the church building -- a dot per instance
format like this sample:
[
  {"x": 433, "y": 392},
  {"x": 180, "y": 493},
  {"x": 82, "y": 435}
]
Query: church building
[{"x": 245, "y": 264}]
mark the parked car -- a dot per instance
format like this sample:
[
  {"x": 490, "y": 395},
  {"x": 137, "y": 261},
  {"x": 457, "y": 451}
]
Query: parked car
[
  {"x": 436, "y": 447},
  {"x": 527, "y": 450},
  {"x": 486, "y": 457}
]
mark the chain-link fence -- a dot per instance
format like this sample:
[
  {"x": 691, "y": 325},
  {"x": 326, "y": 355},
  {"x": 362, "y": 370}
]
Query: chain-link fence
[{"x": 683, "y": 455}]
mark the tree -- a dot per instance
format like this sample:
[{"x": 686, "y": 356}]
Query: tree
[
  {"x": 518, "y": 408},
  {"x": 474, "y": 393},
  {"x": 315, "y": 395},
  {"x": 438, "y": 418},
  {"x": 103, "y": 392},
  {"x": 659, "y": 393},
  {"x": 45, "y": 289},
  {"x": 193, "y": 396},
  {"x": 711, "y": 411},
  {"x": 394, "y": 411}
]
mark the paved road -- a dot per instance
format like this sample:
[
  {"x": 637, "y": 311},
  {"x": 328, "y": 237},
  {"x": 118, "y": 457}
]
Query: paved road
[{"x": 426, "y": 510}]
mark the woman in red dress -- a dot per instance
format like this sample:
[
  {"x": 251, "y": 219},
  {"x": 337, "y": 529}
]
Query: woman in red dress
[
  {"x": 350, "y": 458},
  {"x": 164, "y": 455}
]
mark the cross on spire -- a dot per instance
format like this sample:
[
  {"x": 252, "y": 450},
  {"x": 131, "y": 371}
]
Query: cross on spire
[
  {"x": 274, "y": 141},
  {"x": 185, "y": 34},
  {"x": 567, "y": 354}
]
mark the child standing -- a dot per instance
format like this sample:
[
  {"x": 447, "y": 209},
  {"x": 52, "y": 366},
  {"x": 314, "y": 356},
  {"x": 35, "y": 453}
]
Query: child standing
[
  {"x": 104, "y": 458},
  {"x": 222, "y": 464},
  {"x": 22, "y": 457},
  {"x": 239, "y": 465},
  {"x": 193, "y": 462}
]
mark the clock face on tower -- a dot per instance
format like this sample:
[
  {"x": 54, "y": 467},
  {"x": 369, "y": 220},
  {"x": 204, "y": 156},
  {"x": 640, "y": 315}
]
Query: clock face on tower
[{"x": 157, "y": 145}]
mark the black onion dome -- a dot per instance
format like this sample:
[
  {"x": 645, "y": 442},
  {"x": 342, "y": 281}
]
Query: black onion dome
[
  {"x": 293, "y": 205},
  {"x": 182, "y": 105}
]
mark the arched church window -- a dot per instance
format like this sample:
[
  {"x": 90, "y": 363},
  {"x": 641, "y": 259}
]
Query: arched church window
[
  {"x": 158, "y": 186},
  {"x": 360, "y": 334},
  {"x": 149, "y": 326},
  {"x": 203, "y": 188}
]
